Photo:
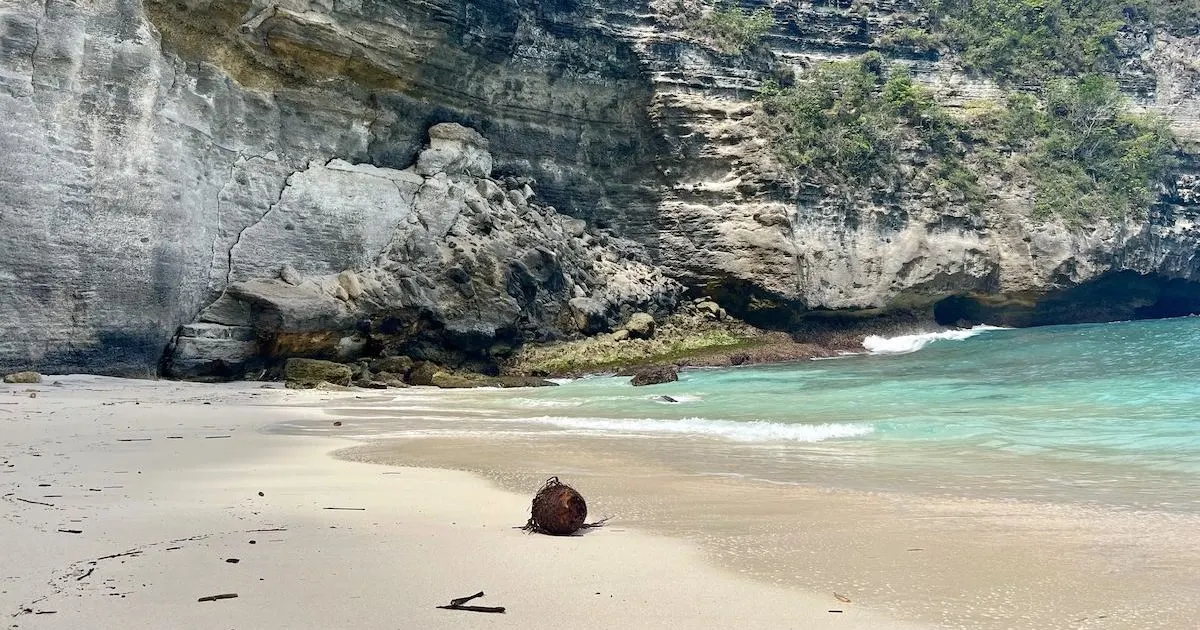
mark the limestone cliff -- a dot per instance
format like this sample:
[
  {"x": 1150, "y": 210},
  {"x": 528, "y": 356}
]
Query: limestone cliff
[{"x": 165, "y": 160}]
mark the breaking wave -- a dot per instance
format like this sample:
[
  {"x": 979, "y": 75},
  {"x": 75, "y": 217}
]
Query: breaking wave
[{"x": 904, "y": 344}]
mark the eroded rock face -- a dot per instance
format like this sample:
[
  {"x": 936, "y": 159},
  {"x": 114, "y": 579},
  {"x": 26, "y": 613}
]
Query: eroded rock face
[
  {"x": 165, "y": 158},
  {"x": 437, "y": 262}
]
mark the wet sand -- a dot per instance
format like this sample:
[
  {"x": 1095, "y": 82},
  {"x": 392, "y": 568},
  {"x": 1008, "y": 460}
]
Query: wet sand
[
  {"x": 126, "y": 502},
  {"x": 948, "y": 562}
]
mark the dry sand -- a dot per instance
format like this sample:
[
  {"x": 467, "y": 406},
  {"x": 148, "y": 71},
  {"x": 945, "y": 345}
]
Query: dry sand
[{"x": 163, "y": 480}]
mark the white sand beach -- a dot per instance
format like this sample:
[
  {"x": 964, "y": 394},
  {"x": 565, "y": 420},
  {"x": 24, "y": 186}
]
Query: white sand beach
[{"x": 124, "y": 502}]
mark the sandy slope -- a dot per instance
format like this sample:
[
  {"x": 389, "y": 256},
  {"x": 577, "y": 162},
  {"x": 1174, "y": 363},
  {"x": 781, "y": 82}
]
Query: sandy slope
[{"x": 162, "y": 513}]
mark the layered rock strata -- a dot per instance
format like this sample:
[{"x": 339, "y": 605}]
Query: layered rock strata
[{"x": 166, "y": 158}]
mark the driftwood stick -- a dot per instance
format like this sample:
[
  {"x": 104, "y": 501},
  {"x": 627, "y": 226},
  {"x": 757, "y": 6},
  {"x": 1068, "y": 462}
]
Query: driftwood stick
[
  {"x": 34, "y": 502},
  {"x": 482, "y": 609},
  {"x": 458, "y": 604},
  {"x": 215, "y": 598},
  {"x": 462, "y": 600}
]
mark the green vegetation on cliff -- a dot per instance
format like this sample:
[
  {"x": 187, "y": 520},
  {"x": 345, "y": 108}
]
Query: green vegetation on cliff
[
  {"x": 1076, "y": 144},
  {"x": 1084, "y": 152},
  {"x": 1027, "y": 42},
  {"x": 734, "y": 29},
  {"x": 851, "y": 121}
]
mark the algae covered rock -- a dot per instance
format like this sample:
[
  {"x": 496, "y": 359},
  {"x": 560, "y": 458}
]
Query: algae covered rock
[
  {"x": 309, "y": 373},
  {"x": 655, "y": 375},
  {"x": 392, "y": 365},
  {"x": 640, "y": 326},
  {"x": 23, "y": 377},
  {"x": 422, "y": 373}
]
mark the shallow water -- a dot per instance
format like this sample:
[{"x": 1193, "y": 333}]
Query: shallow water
[{"x": 1105, "y": 413}]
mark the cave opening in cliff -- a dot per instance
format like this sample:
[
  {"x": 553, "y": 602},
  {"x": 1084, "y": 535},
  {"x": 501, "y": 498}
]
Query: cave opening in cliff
[{"x": 1116, "y": 296}]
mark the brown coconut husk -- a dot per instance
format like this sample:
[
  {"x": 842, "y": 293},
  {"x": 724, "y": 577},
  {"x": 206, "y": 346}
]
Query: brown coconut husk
[{"x": 558, "y": 510}]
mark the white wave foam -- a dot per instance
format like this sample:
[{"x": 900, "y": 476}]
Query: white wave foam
[
  {"x": 904, "y": 344},
  {"x": 675, "y": 399},
  {"x": 750, "y": 431},
  {"x": 548, "y": 403}
]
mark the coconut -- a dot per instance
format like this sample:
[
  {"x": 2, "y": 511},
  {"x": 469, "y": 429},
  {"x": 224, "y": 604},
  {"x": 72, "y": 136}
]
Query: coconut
[{"x": 557, "y": 510}]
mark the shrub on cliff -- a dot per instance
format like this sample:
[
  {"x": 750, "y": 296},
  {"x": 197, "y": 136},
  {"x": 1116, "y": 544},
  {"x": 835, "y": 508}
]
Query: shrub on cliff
[
  {"x": 1085, "y": 152},
  {"x": 1077, "y": 145},
  {"x": 1026, "y": 42},
  {"x": 734, "y": 29},
  {"x": 855, "y": 121}
]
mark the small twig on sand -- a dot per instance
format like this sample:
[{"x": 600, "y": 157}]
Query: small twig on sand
[
  {"x": 131, "y": 552},
  {"x": 213, "y": 598},
  {"x": 458, "y": 604},
  {"x": 270, "y": 529},
  {"x": 33, "y": 502},
  {"x": 346, "y": 508},
  {"x": 595, "y": 524},
  {"x": 71, "y": 531}
]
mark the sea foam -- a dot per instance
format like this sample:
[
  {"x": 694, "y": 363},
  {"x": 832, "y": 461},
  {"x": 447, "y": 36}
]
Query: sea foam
[
  {"x": 903, "y": 344},
  {"x": 738, "y": 431}
]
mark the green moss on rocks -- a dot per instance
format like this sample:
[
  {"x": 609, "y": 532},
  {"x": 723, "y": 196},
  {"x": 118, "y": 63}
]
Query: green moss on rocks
[
  {"x": 680, "y": 338},
  {"x": 309, "y": 373},
  {"x": 23, "y": 378}
]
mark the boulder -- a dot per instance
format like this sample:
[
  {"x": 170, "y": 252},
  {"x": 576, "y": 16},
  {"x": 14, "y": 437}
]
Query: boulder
[
  {"x": 23, "y": 377},
  {"x": 422, "y": 373},
  {"x": 455, "y": 150},
  {"x": 309, "y": 373},
  {"x": 522, "y": 381},
  {"x": 288, "y": 274},
  {"x": 447, "y": 380},
  {"x": 588, "y": 314},
  {"x": 710, "y": 307},
  {"x": 393, "y": 365},
  {"x": 620, "y": 335},
  {"x": 655, "y": 375},
  {"x": 348, "y": 281},
  {"x": 640, "y": 326},
  {"x": 391, "y": 380},
  {"x": 360, "y": 371}
]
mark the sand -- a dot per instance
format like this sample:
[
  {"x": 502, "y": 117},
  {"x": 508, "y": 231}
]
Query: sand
[{"x": 168, "y": 483}]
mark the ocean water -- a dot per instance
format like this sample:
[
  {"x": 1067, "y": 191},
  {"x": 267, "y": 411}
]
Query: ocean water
[{"x": 1103, "y": 413}]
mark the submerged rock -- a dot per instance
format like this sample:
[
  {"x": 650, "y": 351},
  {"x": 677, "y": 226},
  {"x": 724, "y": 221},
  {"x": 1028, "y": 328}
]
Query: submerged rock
[{"x": 655, "y": 375}]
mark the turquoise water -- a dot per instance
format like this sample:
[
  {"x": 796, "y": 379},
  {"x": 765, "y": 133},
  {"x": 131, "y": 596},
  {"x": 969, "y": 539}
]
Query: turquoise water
[{"x": 1105, "y": 412}]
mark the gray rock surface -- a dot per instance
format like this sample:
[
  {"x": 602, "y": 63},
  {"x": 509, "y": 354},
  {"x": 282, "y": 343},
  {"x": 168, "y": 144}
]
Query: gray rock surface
[
  {"x": 216, "y": 162},
  {"x": 437, "y": 270},
  {"x": 640, "y": 326}
]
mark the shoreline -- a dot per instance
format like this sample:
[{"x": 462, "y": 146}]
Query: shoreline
[
  {"x": 167, "y": 483},
  {"x": 946, "y": 562}
]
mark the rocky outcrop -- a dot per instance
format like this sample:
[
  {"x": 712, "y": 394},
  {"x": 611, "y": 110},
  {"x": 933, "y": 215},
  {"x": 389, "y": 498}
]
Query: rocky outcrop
[
  {"x": 252, "y": 171},
  {"x": 309, "y": 373},
  {"x": 437, "y": 262},
  {"x": 23, "y": 378},
  {"x": 655, "y": 376}
]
